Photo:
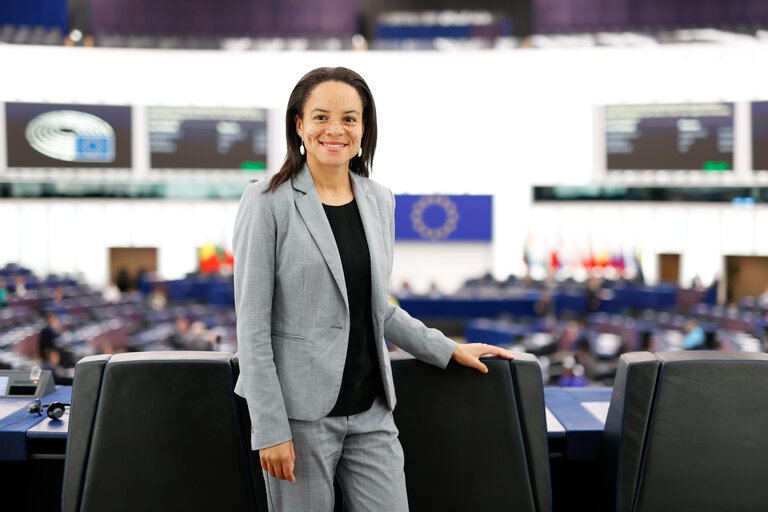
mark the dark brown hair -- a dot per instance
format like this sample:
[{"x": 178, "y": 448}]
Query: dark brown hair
[{"x": 294, "y": 160}]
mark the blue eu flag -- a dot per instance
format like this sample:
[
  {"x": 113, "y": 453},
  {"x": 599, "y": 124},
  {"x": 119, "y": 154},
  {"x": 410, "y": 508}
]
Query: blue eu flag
[
  {"x": 95, "y": 149},
  {"x": 444, "y": 218}
]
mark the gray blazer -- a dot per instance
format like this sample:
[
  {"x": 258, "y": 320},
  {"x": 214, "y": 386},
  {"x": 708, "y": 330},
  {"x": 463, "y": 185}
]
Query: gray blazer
[{"x": 292, "y": 309}]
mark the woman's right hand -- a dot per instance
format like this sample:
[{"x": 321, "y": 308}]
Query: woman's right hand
[{"x": 278, "y": 460}]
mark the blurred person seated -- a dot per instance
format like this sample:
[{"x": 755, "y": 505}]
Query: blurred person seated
[
  {"x": 57, "y": 303},
  {"x": 405, "y": 290},
  {"x": 157, "y": 300},
  {"x": 573, "y": 349},
  {"x": 694, "y": 336},
  {"x": 488, "y": 279},
  {"x": 141, "y": 276},
  {"x": 550, "y": 282},
  {"x": 528, "y": 281},
  {"x": 103, "y": 346},
  {"x": 52, "y": 362},
  {"x": 434, "y": 291},
  {"x": 545, "y": 307},
  {"x": 595, "y": 369},
  {"x": 48, "y": 336},
  {"x": 20, "y": 287},
  {"x": 762, "y": 299},
  {"x": 573, "y": 374},
  {"x": 123, "y": 280},
  {"x": 594, "y": 294},
  {"x": 572, "y": 337},
  {"x": 50, "y": 332},
  {"x": 191, "y": 336},
  {"x": 58, "y": 294},
  {"x": 111, "y": 293}
]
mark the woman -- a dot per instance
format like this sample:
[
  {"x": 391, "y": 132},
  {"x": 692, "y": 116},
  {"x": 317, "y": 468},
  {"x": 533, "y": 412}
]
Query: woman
[{"x": 313, "y": 257}]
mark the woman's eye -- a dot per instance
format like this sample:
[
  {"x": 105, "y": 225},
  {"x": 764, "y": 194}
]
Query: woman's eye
[
  {"x": 351, "y": 119},
  {"x": 320, "y": 117}
]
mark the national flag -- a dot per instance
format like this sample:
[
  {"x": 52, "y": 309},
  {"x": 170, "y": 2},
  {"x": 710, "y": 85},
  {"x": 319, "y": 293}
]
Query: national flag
[
  {"x": 208, "y": 259},
  {"x": 639, "y": 265},
  {"x": 554, "y": 260},
  {"x": 527, "y": 251}
]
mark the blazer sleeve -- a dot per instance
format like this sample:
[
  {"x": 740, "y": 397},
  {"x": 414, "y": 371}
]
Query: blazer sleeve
[
  {"x": 410, "y": 334},
  {"x": 254, "y": 255}
]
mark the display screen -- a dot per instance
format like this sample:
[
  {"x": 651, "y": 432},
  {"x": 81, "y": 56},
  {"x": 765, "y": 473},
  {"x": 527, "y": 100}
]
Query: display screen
[
  {"x": 669, "y": 137},
  {"x": 73, "y": 136},
  {"x": 208, "y": 138},
  {"x": 437, "y": 218},
  {"x": 4, "y": 384},
  {"x": 760, "y": 136}
]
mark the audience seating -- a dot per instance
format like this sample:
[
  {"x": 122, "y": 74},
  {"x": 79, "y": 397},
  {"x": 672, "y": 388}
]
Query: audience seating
[
  {"x": 473, "y": 441},
  {"x": 157, "y": 431},
  {"x": 687, "y": 431}
]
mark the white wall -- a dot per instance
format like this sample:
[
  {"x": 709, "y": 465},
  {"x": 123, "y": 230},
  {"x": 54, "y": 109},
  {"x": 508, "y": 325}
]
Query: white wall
[
  {"x": 68, "y": 236},
  {"x": 491, "y": 122}
]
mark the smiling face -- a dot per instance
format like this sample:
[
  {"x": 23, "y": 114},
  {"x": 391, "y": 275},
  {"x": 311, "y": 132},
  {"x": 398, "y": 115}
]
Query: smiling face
[{"x": 332, "y": 126}]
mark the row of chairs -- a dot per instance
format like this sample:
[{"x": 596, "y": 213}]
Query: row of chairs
[{"x": 685, "y": 431}]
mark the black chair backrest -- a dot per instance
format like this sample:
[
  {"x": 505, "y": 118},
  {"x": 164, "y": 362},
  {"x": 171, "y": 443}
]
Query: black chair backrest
[
  {"x": 167, "y": 436},
  {"x": 473, "y": 441},
  {"x": 686, "y": 431},
  {"x": 257, "y": 477},
  {"x": 86, "y": 388}
]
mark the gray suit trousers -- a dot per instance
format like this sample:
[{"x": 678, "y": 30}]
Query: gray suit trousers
[{"x": 362, "y": 450}]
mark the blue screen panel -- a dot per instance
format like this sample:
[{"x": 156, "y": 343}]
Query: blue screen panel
[{"x": 437, "y": 218}]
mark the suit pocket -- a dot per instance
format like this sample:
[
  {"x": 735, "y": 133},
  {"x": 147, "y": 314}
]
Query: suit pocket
[{"x": 294, "y": 337}]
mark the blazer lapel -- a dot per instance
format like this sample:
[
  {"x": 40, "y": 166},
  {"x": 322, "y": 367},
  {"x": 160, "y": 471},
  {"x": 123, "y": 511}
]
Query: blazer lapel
[
  {"x": 312, "y": 212},
  {"x": 366, "y": 204}
]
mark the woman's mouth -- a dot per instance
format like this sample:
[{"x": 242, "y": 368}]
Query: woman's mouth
[{"x": 333, "y": 146}]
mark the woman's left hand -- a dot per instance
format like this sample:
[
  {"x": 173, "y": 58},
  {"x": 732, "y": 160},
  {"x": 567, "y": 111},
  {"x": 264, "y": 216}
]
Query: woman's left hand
[{"x": 469, "y": 354}]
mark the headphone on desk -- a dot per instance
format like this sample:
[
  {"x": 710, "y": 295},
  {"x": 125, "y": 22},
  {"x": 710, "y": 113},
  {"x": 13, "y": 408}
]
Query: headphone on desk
[{"x": 55, "y": 409}]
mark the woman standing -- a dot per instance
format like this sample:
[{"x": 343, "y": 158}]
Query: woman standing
[{"x": 313, "y": 257}]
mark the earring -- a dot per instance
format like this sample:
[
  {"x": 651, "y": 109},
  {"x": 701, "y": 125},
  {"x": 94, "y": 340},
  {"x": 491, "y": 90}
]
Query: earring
[
  {"x": 360, "y": 151},
  {"x": 301, "y": 147}
]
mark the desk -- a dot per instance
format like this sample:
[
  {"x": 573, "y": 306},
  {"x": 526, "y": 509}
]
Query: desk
[
  {"x": 453, "y": 308},
  {"x": 17, "y": 426},
  {"x": 575, "y": 419},
  {"x": 581, "y": 412},
  {"x": 659, "y": 298}
]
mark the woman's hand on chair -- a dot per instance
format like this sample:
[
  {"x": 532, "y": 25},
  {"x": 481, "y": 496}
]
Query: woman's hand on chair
[{"x": 469, "y": 354}]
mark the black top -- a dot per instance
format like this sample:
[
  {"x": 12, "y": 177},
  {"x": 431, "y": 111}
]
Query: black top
[{"x": 361, "y": 381}]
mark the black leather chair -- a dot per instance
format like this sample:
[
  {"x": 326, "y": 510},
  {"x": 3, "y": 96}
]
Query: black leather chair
[
  {"x": 85, "y": 396},
  {"x": 157, "y": 431},
  {"x": 687, "y": 431},
  {"x": 473, "y": 441}
]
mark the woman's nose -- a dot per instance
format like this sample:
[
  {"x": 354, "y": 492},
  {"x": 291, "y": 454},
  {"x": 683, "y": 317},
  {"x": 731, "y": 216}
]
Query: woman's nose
[{"x": 335, "y": 127}]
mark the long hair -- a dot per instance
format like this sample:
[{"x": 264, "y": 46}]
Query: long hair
[{"x": 294, "y": 160}]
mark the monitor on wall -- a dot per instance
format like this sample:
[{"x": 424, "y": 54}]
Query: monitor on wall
[
  {"x": 760, "y": 136},
  {"x": 43, "y": 135},
  {"x": 683, "y": 136},
  {"x": 208, "y": 138}
]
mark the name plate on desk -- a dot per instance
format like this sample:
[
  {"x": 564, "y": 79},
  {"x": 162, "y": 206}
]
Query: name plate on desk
[{"x": 26, "y": 384}]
